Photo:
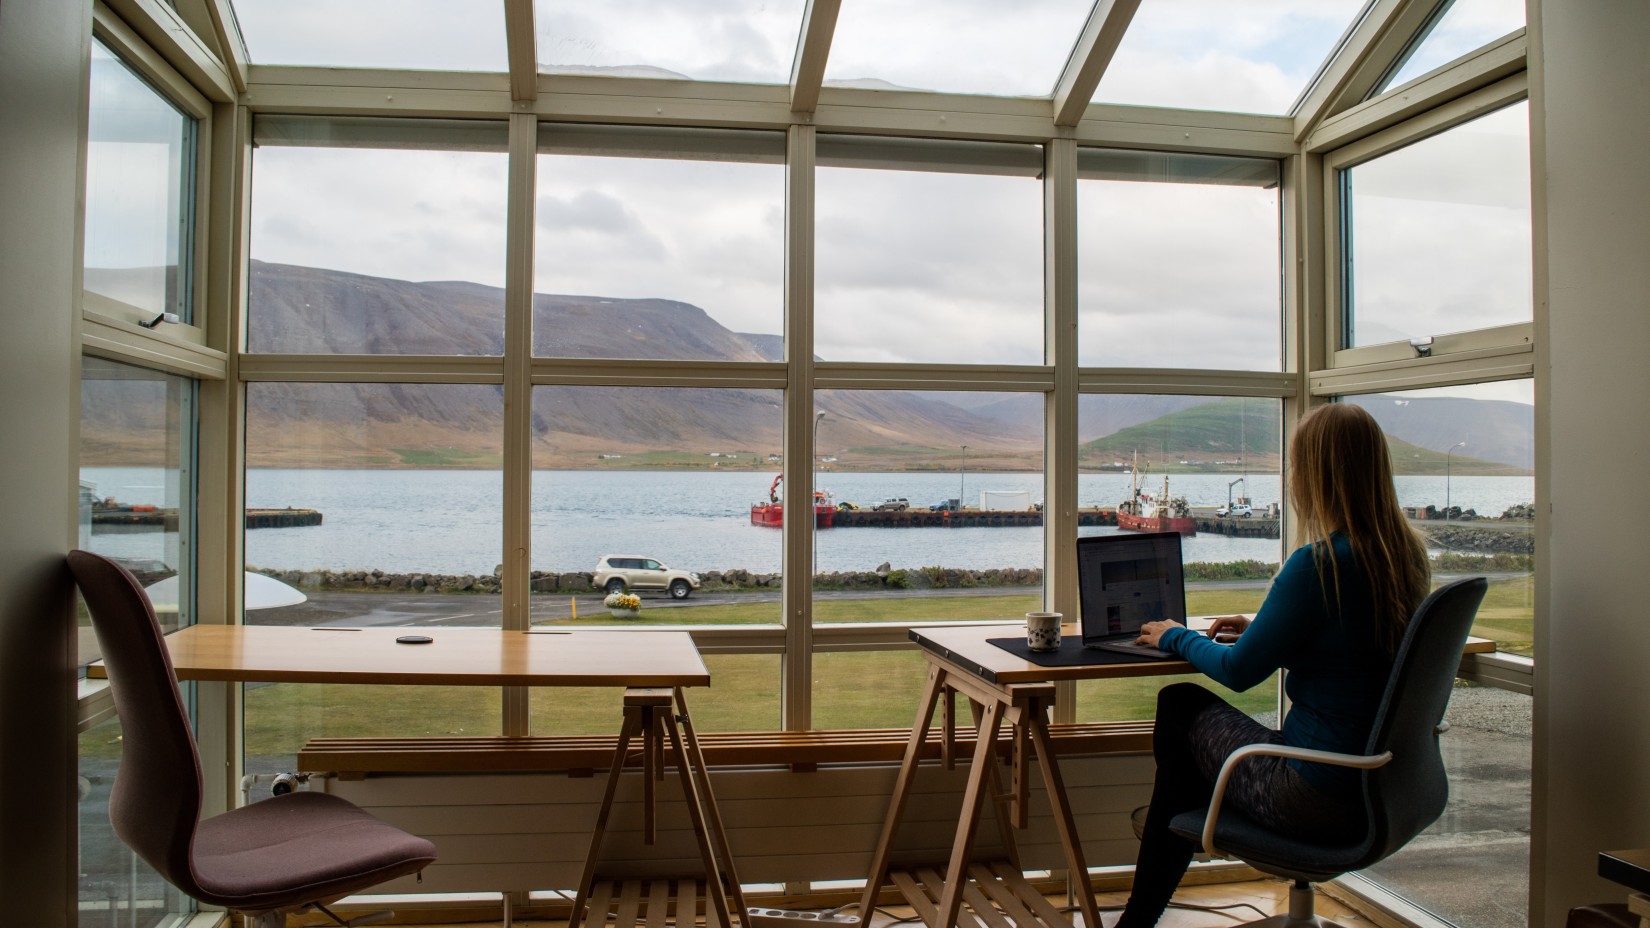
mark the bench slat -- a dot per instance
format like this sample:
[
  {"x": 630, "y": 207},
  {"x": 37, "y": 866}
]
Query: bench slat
[{"x": 541, "y": 754}]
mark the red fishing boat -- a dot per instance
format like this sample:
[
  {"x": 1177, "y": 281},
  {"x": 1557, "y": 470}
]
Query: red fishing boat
[
  {"x": 772, "y": 512},
  {"x": 1143, "y": 512}
]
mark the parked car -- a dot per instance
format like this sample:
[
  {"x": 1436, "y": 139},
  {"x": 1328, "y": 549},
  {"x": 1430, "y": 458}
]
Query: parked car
[
  {"x": 946, "y": 505},
  {"x": 623, "y": 573},
  {"x": 892, "y": 504},
  {"x": 1236, "y": 511}
]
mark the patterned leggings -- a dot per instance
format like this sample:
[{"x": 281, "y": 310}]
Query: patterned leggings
[{"x": 1195, "y": 732}]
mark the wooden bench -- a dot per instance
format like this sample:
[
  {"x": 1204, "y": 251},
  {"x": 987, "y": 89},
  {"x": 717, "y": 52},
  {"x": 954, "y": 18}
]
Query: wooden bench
[{"x": 802, "y": 751}]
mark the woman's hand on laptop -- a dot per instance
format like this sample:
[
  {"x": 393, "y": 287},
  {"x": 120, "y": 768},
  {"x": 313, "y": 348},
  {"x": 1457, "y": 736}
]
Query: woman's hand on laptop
[
  {"x": 1227, "y": 628},
  {"x": 1151, "y": 631}
]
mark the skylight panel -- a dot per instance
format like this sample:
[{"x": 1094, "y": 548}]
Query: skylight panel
[
  {"x": 956, "y": 46},
  {"x": 1465, "y": 25},
  {"x": 1256, "y": 57},
  {"x": 423, "y": 35},
  {"x": 745, "y": 41}
]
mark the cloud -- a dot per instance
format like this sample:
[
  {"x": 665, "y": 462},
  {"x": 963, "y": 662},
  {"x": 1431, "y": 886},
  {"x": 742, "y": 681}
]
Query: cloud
[
  {"x": 962, "y": 46},
  {"x": 443, "y": 35},
  {"x": 717, "y": 40},
  {"x": 918, "y": 266},
  {"x": 408, "y": 215},
  {"x": 703, "y": 232},
  {"x": 1213, "y": 55},
  {"x": 1178, "y": 275}
]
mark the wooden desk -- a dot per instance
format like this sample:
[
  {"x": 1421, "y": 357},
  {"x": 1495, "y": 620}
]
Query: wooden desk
[
  {"x": 1002, "y": 688},
  {"x": 457, "y": 657},
  {"x": 653, "y": 667}
]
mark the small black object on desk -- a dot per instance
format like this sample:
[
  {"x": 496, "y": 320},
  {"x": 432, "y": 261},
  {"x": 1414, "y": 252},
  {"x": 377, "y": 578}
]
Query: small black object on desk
[{"x": 414, "y": 639}]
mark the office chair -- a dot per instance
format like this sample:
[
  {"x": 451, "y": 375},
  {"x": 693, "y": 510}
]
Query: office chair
[
  {"x": 265, "y": 860},
  {"x": 1405, "y": 786}
]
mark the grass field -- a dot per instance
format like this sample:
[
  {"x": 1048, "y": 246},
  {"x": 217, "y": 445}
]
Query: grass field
[{"x": 851, "y": 690}]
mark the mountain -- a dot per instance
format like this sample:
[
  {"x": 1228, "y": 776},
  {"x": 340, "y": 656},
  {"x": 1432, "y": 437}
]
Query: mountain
[
  {"x": 310, "y": 310},
  {"x": 302, "y": 310},
  {"x": 1494, "y": 430}
]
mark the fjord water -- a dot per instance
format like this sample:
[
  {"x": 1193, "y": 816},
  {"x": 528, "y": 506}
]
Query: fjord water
[{"x": 447, "y": 521}]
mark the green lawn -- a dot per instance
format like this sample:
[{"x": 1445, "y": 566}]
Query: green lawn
[{"x": 851, "y": 689}]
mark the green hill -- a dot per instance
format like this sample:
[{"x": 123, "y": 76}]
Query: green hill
[
  {"x": 1219, "y": 435},
  {"x": 1230, "y": 434}
]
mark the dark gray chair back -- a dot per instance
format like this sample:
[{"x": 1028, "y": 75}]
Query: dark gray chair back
[
  {"x": 1409, "y": 793},
  {"x": 1405, "y": 795},
  {"x": 156, "y": 799}
]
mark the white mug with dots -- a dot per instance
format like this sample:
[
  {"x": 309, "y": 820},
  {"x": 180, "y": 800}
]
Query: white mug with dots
[{"x": 1043, "y": 631}]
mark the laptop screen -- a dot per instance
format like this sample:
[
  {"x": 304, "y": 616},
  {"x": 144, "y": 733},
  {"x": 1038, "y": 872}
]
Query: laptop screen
[{"x": 1129, "y": 579}]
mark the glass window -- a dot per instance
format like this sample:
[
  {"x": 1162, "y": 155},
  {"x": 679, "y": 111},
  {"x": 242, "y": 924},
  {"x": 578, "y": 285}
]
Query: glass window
[
  {"x": 1438, "y": 233},
  {"x": 116, "y": 886},
  {"x": 869, "y": 689},
  {"x": 1459, "y": 27},
  {"x": 140, "y": 192},
  {"x": 928, "y": 505},
  {"x": 370, "y": 505},
  {"x": 928, "y": 251},
  {"x": 1179, "y": 261},
  {"x": 648, "y": 491},
  {"x": 439, "y": 35},
  {"x": 357, "y": 480},
  {"x": 1463, "y": 459},
  {"x": 1207, "y": 467},
  {"x": 1487, "y": 757},
  {"x": 1211, "y": 55},
  {"x": 744, "y": 696},
  {"x": 137, "y": 483},
  {"x": 377, "y": 237},
  {"x": 955, "y": 46},
  {"x": 751, "y": 41},
  {"x": 659, "y": 244}
]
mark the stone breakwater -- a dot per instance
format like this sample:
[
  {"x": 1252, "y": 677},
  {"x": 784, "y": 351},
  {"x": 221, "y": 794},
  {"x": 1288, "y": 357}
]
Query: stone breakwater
[
  {"x": 712, "y": 581},
  {"x": 1476, "y": 540}
]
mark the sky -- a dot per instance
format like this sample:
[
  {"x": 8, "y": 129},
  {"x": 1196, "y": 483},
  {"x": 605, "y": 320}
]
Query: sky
[{"x": 910, "y": 266}]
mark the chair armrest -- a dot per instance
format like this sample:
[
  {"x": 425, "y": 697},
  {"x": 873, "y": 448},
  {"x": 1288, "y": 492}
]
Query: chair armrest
[{"x": 1361, "y": 761}]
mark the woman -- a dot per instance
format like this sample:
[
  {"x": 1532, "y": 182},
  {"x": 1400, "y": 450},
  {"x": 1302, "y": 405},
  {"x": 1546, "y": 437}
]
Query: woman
[{"x": 1333, "y": 619}]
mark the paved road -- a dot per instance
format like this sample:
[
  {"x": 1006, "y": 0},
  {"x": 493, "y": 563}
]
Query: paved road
[{"x": 484, "y": 610}]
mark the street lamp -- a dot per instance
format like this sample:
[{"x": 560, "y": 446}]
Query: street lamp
[
  {"x": 1459, "y": 444},
  {"x": 962, "y": 474}
]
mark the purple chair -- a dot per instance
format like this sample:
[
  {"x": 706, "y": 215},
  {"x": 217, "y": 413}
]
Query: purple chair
[{"x": 268, "y": 859}]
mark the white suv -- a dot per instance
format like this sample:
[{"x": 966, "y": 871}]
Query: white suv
[{"x": 620, "y": 573}]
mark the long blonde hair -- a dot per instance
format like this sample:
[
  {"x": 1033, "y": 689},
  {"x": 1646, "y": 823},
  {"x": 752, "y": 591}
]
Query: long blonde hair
[{"x": 1340, "y": 480}]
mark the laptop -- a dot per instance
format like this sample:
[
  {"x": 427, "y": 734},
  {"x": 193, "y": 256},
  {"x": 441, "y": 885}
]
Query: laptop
[{"x": 1123, "y": 582}]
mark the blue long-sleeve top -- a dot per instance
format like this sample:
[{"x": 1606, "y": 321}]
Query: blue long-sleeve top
[{"x": 1337, "y": 665}]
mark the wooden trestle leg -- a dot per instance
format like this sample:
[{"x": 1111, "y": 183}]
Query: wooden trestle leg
[
  {"x": 632, "y": 725},
  {"x": 956, "y": 872},
  {"x": 1077, "y": 876},
  {"x": 648, "y": 712},
  {"x": 902, "y": 791},
  {"x": 997, "y": 894},
  {"x": 713, "y": 814}
]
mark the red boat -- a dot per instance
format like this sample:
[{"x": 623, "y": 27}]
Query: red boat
[
  {"x": 772, "y": 512},
  {"x": 1143, "y": 512}
]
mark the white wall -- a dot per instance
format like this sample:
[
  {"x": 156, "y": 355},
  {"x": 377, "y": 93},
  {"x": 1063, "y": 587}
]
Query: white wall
[
  {"x": 43, "y": 48},
  {"x": 1590, "y": 96}
]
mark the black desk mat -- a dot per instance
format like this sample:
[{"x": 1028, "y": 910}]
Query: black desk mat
[{"x": 1071, "y": 653}]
